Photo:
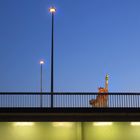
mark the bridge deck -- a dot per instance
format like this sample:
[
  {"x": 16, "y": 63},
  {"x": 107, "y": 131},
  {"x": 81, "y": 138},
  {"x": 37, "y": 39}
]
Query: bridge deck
[{"x": 70, "y": 114}]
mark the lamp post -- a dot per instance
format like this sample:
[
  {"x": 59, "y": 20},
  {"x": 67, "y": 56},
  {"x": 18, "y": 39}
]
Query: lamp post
[
  {"x": 52, "y": 10},
  {"x": 41, "y": 82}
]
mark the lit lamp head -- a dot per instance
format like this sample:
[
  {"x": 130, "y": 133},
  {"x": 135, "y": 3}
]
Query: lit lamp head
[
  {"x": 52, "y": 10},
  {"x": 41, "y": 62}
]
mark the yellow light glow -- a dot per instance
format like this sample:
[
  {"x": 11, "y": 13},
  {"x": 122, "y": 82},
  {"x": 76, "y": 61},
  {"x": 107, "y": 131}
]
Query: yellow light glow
[
  {"x": 23, "y": 123},
  {"x": 102, "y": 123},
  {"x": 52, "y": 10},
  {"x": 42, "y": 62},
  {"x": 135, "y": 123},
  {"x": 62, "y": 124}
]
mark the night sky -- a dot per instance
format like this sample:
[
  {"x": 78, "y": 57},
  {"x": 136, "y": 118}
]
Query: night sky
[{"x": 92, "y": 38}]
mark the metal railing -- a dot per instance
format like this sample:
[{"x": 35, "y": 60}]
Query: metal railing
[{"x": 67, "y": 100}]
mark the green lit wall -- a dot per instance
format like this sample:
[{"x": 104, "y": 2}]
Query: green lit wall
[
  {"x": 39, "y": 131},
  {"x": 117, "y": 131},
  {"x": 69, "y": 131}
]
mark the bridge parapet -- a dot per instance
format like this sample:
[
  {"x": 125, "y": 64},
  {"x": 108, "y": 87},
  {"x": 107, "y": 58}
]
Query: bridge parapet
[{"x": 68, "y": 100}]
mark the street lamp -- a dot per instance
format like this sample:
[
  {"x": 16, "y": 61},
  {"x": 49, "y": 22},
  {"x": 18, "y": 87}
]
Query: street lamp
[
  {"x": 41, "y": 74},
  {"x": 52, "y": 10},
  {"x": 41, "y": 82}
]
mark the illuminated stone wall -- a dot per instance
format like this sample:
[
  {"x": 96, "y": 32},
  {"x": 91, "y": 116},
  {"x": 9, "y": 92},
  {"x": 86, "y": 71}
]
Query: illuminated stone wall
[{"x": 68, "y": 131}]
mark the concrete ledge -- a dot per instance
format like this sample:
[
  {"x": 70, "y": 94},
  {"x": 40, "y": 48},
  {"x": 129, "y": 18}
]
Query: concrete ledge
[{"x": 70, "y": 114}]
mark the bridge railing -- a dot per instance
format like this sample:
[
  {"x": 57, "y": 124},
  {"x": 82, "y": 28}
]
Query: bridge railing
[{"x": 68, "y": 100}]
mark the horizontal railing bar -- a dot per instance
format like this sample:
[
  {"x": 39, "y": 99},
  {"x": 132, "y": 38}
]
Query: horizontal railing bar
[
  {"x": 67, "y": 93},
  {"x": 94, "y": 93},
  {"x": 24, "y": 93}
]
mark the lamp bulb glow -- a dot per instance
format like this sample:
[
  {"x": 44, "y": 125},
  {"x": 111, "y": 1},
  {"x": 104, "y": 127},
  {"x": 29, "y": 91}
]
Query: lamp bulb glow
[
  {"x": 42, "y": 62},
  {"x": 52, "y": 10}
]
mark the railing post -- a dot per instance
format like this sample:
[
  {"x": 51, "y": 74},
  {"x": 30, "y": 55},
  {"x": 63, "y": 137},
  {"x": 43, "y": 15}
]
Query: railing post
[
  {"x": 51, "y": 100},
  {"x": 41, "y": 100}
]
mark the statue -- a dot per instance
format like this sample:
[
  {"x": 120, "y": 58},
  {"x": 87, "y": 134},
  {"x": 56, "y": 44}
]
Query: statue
[{"x": 102, "y": 97}]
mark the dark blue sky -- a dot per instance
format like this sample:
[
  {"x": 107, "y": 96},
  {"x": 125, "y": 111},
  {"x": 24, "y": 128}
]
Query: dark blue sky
[{"x": 92, "y": 38}]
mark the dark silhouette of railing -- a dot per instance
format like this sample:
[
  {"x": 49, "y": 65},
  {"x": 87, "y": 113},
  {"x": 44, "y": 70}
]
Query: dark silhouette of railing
[{"x": 67, "y": 100}]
